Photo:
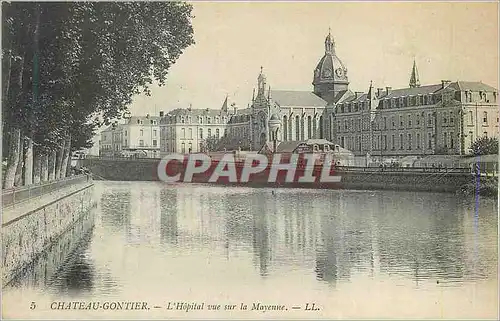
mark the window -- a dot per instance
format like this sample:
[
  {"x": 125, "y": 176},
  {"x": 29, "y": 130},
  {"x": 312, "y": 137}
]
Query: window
[
  {"x": 409, "y": 141},
  {"x": 209, "y": 134},
  {"x": 183, "y": 148},
  {"x": 485, "y": 117},
  {"x": 183, "y": 133},
  {"x": 190, "y": 133},
  {"x": 190, "y": 148},
  {"x": 201, "y": 133},
  {"x": 141, "y": 143},
  {"x": 125, "y": 133},
  {"x": 418, "y": 141},
  {"x": 417, "y": 120},
  {"x": 445, "y": 140},
  {"x": 409, "y": 121},
  {"x": 182, "y": 119},
  {"x": 471, "y": 117},
  {"x": 393, "y": 143},
  {"x": 345, "y": 125},
  {"x": 209, "y": 120},
  {"x": 297, "y": 128},
  {"x": 393, "y": 122},
  {"x": 451, "y": 117},
  {"x": 401, "y": 121},
  {"x": 154, "y": 142},
  {"x": 154, "y": 132},
  {"x": 309, "y": 127},
  {"x": 429, "y": 122},
  {"x": 217, "y": 133},
  {"x": 201, "y": 119},
  {"x": 401, "y": 142},
  {"x": 452, "y": 145},
  {"x": 429, "y": 141},
  {"x": 385, "y": 122},
  {"x": 142, "y": 132},
  {"x": 485, "y": 134}
]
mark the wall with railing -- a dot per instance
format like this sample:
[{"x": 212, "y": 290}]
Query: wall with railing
[
  {"x": 35, "y": 217},
  {"x": 16, "y": 195}
]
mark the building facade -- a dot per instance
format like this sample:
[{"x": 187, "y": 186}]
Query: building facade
[
  {"x": 192, "y": 130},
  {"x": 443, "y": 118},
  {"x": 137, "y": 136}
]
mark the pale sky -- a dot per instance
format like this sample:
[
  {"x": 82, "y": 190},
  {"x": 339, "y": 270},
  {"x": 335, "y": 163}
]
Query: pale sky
[{"x": 375, "y": 41}]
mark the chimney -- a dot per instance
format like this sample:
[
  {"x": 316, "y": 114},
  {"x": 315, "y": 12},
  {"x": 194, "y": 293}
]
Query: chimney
[
  {"x": 445, "y": 83},
  {"x": 161, "y": 113},
  {"x": 388, "y": 91},
  {"x": 379, "y": 91}
]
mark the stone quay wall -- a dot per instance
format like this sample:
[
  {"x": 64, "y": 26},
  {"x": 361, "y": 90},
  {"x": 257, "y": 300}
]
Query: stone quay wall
[
  {"x": 368, "y": 179},
  {"x": 28, "y": 234}
]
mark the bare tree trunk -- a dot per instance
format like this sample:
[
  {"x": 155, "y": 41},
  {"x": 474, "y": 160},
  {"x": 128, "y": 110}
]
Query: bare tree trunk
[
  {"x": 37, "y": 165},
  {"x": 45, "y": 167},
  {"x": 28, "y": 162},
  {"x": 15, "y": 149},
  {"x": 66, "y": 158},
  {"x": 52, "y": 164},
  {"x": 59, "y": 159},
  {"x": 18, "y": 181},
  {"x": 7, "y": 80}
]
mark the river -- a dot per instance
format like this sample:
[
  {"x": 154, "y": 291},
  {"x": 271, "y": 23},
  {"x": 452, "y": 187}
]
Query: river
[{"x": 354, "y": 254}]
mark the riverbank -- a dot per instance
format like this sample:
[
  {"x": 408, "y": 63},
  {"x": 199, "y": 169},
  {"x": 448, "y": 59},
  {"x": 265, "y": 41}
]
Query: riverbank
[
  {"x": 404, "y": 179},
  {"x": 486, "y": 187}
]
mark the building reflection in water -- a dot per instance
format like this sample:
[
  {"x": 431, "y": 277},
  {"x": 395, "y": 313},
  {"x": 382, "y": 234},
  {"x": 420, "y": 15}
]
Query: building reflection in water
[
  {"x": 333, "y": 234},
  {"x": 115, "y": 206},
  {"x": 169, "y": 229}
]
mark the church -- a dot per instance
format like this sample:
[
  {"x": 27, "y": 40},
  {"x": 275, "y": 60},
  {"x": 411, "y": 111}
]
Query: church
[{"x": 442, "y": 118}]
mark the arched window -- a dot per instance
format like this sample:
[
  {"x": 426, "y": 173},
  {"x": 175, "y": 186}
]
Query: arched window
[
  {"x": 321, "y": 127},
  {"x": 285, "y": 128},
  {"x": 309, "y": 127},
  {"x": 297, "y": 127}
]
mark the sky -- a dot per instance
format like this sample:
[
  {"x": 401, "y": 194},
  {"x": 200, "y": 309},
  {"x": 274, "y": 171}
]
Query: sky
[{"x": 375, "y": 41}]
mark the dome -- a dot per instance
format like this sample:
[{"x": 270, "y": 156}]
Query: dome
[{"x": 330, "y": 68}]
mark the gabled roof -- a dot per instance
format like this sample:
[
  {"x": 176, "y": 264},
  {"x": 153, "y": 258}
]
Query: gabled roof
[
  {"x": 297, "y": 98},
  {"x": 194, "y": 112},
  {"x": 145, "y": 119},
  {"x": 474, "y": 86}
]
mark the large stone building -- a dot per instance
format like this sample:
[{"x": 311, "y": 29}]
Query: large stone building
[
  {"x": 192, "y": 130},
  {"x": 443, "y": 118},
  {"x": 137, "y": 136}
]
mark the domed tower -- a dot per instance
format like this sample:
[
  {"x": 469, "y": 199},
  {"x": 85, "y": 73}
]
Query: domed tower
[{"x": 330, "y": 75}]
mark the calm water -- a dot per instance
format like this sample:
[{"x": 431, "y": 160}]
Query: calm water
[{"x": 352, "y": 253}]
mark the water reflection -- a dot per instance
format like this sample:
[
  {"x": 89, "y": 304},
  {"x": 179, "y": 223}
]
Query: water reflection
[{"x": 307, "y": 237}]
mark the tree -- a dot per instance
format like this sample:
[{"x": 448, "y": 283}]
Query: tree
[
  {"x": 485, "y": 146},
  {"x": 64, "y": 63}
]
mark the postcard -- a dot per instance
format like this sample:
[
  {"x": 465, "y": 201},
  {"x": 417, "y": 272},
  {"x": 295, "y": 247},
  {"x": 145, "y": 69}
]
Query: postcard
[{"x": 250, "y": 160}]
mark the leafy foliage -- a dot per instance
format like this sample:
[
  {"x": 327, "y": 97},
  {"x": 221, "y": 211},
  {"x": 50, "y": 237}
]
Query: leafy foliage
[
  {"x": 485, "y": 146},
  {"x": 64, "y": 63}
]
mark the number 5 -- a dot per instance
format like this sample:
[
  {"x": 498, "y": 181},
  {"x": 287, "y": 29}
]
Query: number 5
[{"x": 32, "y": 306}]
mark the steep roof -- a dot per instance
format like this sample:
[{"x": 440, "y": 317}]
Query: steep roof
[
  {"x": 297, "y": 98},
  {"x": 194, "y": 112}
]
